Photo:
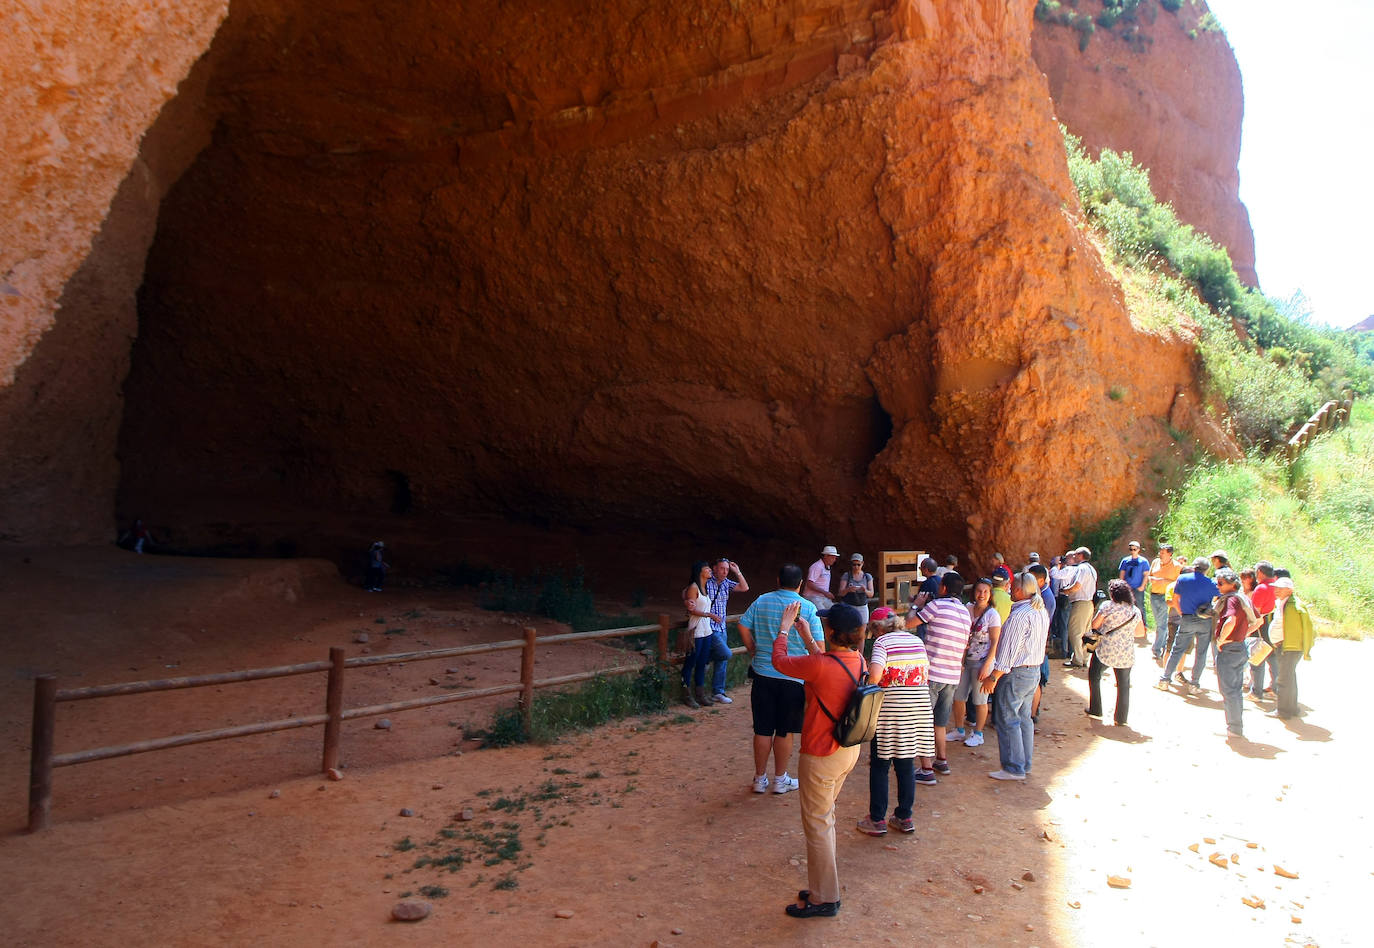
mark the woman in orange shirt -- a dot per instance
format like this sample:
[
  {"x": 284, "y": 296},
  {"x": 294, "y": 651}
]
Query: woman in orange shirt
[{"x": 829, "y": 678}]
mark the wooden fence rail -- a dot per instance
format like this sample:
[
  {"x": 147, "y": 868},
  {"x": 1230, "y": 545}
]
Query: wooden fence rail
[
  {"x": 46, "y": 697},
  {"x": 1325, "y": 418}
]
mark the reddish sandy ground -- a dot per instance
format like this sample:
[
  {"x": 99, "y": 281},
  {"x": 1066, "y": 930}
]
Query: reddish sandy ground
[{"x": 644, "y": 830}]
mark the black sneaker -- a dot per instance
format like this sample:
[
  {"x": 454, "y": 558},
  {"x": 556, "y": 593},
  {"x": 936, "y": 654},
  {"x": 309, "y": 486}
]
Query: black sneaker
[
  {"x": 926, "y": 778},
  {"x": 941, "y": 766}
]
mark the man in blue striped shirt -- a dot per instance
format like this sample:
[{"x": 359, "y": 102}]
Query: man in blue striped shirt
[{"x": 1020, "y": 651}]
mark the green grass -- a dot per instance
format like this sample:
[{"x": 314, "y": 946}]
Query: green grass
[
  {"x": 1314, "y": 518},
  {"x": 597, "y": 702}
]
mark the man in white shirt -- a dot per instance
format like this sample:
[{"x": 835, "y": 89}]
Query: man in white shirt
[
  {"x": 817, "y": 588},
  {"x": 1080, "y": 589}
]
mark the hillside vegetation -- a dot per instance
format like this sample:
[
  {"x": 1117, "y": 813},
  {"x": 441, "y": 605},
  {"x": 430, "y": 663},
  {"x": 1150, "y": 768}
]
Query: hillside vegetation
[
  {"x": 1315, "y": 517},
  {"x": 1270, "y": 368},
  {"x": 1263, "y": 360}
]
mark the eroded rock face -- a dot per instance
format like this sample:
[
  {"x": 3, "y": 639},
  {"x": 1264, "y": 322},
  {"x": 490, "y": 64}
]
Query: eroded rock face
[
  {"x": 82, "y": 80},
  {"x": 1173, "y": 101},
  {"x": 786, "y": 266}
]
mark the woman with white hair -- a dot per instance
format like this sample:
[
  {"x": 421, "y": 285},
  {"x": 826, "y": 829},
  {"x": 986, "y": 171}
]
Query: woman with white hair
[{"x": 1020, "y": 652}]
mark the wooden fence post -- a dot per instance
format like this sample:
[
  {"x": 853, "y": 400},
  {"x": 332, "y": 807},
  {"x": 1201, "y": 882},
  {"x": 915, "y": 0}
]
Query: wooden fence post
[
  {"x": 40, "y": 760},
  {"x": 663, "y": 623},
  {"x": 333, "y": 706},
  {"x": 527, "y": 681}
]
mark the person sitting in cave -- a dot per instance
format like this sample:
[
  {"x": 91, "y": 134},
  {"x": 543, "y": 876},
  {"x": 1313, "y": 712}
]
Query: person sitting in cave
[
  {"x": 137, "y": 537},
  {"x": 376, "y": 567}
]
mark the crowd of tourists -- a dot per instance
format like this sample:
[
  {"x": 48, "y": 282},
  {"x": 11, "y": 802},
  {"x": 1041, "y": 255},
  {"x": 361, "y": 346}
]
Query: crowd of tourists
[{"x": 966, "y": 655}]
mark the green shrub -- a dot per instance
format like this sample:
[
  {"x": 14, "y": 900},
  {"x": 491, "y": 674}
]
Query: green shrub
[{"x": 1171, "y": 5}]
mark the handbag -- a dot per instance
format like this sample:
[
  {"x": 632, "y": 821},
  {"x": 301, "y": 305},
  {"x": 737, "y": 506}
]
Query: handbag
[
  {"x": 1259, "y": 650},
  {"x": 1091, "y": 646}
]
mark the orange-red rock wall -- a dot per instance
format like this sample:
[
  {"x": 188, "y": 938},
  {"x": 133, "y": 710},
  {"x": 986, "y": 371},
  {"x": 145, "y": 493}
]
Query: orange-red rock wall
[
  {"x": 802, "y": 268},
  {"x": 1173, "y": 100}
]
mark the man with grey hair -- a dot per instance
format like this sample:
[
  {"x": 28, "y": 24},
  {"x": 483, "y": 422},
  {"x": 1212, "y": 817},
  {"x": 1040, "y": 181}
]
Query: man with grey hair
[
  {"x": 1233, "y": 625},
  {"x": 1079, "y": 589},
  {"x": 1193, "y": 591}
]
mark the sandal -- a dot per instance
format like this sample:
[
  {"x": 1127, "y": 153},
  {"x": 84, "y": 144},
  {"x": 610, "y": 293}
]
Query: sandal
[{"x": 813, "y": 910}]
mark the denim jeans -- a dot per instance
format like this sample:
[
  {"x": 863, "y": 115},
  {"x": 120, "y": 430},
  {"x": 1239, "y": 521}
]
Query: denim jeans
[
  {"x": 1159, "y": 611},
  {"x": 905, "y": 768},
  {"x": 720, "y": 654},
  {"x": 1015, "y": 732},
  {"x": 1231, "y": 661},
  {"x": 1059, "y": 625},
  {"x": 1271, "y": 662},
  {"x": 1286, "y": 683},
  {"x": 1193, "y": 630},
  {"x": 694, "y": 668}
]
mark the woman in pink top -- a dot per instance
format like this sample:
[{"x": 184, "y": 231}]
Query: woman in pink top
[{"x": 828, "y": 678}]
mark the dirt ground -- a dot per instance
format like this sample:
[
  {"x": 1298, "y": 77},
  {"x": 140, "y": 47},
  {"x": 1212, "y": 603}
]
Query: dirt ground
[{"x": 645, "y": 830}]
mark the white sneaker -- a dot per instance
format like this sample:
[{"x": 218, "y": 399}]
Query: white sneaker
[
  {"x": 784, "y": 783},
  {"x": 761, "y": 784},
  {"x": 722, "y": 698},
  {"x": 1003, "y": 775},
  {"x": 974, "y": 740},
  {"x": 954, "y": 734}
]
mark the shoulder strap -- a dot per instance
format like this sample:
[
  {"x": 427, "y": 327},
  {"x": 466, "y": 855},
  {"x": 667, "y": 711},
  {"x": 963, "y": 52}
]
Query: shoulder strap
[{"x": 862, "y": 663}]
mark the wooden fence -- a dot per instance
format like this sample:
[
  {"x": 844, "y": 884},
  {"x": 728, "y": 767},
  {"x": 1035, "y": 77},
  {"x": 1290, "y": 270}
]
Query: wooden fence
[
  {"x": 1330, "y": 415},
  {"x": 46, "y": 696}
]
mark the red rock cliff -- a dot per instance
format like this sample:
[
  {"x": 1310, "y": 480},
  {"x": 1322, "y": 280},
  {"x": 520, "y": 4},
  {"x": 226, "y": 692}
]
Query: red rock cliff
[
  {"x": 792, "y": 267},
  {"x": 1172, "y": 99}
]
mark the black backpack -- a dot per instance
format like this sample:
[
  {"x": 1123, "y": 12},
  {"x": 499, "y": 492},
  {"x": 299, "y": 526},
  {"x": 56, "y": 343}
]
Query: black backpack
[{"x": 860, "y": 719}]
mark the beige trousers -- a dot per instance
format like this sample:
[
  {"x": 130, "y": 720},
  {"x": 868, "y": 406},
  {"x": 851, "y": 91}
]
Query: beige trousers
[
  {"x": 1080, "y": 624},
  {"x": 820, "y": 780}
]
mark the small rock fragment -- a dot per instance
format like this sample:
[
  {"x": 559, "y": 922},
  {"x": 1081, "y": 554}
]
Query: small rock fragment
[
  {"x": 1118, "y": 882},
  {"x": 1018, "y": 886},
  {"x": 1235, "y": 859},
  {"x": 639, "y": 915},
  {"x": 563, "y": 913},
  {"x": 452, "y": 671},
  {"x": 1254, "y": 901},
  {"x": 1217, "y": 859},
  {"x": 406, "y": 811},
  {"x": 1027, "y": 876},
  {"x": 978, "y": 890},
  {"x": 1280, "y": 871},
  {"x": 1252, "y": 845},
  {"x": 437, "y": 786},
  {"x": 1045, "y": 835},
  {"x": 1030, "y": 927},
  {"x": 1295, "y": 919},
  {"x": 383, "y": 725},
  {"x": 275, "y": 794},
  {"x": 1209, "y": 840},
  {"x": 975, "y": 918},
  {"x": 1075, "y": 905},
  {"x": 1193, "y": 848},
  {"x": 465, "y": 815},
  {"x": 434, "y": 681},
  {"x": 411, "y": 911},
  {"x": 677, "y": 931},
  {"x": 890, "y": 848},
  {"x": 360, "y": 638},
  {"x": 333, "y": 773}
]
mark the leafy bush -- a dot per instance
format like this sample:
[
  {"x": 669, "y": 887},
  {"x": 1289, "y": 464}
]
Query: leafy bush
[{"x": 1171, "y": 5}]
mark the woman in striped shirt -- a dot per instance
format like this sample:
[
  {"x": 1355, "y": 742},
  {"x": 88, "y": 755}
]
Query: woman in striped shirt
[{"x": 906, "y": 723}]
